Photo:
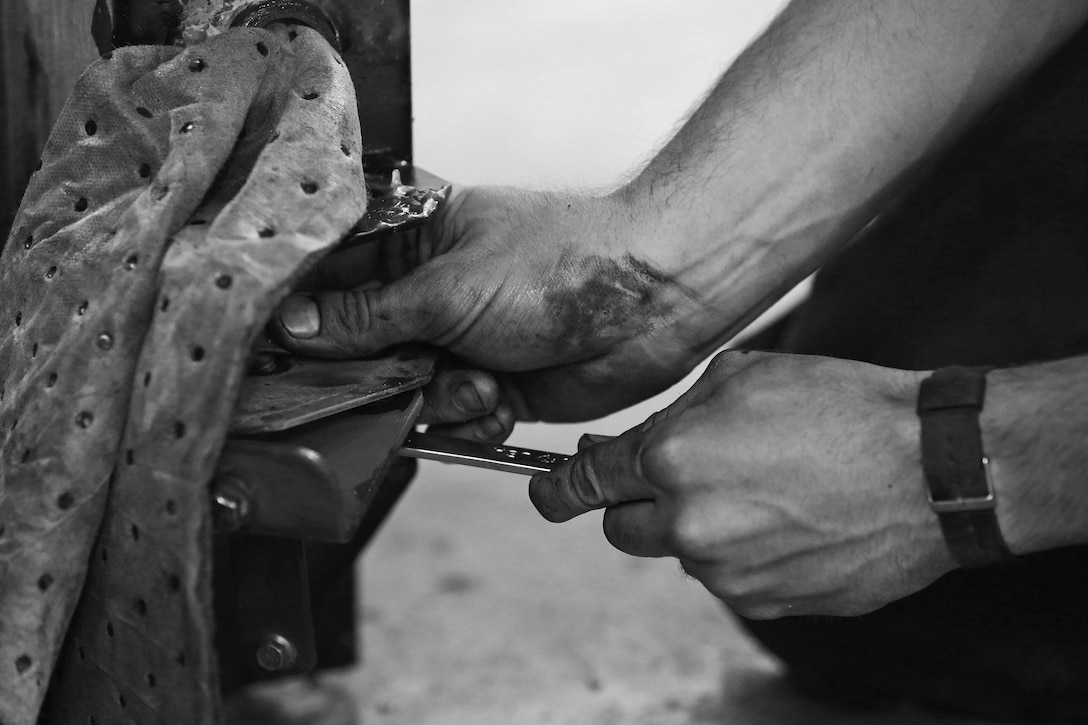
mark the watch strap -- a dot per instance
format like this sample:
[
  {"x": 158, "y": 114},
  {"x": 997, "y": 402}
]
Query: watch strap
[{"x": 956, "y": 469}]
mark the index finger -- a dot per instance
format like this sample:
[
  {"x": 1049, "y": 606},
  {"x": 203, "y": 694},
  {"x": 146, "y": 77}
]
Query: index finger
[{"x": 599, "y": 476}]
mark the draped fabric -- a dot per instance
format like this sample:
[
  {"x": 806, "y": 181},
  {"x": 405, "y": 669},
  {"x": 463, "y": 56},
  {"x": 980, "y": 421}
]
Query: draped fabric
[{"x": 180, "y": 195}]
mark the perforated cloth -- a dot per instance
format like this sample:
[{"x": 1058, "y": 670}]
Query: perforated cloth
[{"x": 181, "y": 193}]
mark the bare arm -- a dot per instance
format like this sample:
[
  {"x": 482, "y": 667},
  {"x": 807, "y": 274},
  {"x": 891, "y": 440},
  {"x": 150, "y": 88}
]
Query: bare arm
[
  {"x": 1035, "y": 432},
  {"x": 588, "y": 305},
  {"x": 814, "y": 128}
]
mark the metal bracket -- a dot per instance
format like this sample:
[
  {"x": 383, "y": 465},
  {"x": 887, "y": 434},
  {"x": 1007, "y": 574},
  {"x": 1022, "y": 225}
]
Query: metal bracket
[{"x": 315, "y": 481}]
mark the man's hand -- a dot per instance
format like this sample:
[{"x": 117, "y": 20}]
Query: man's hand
[
  {"x": 786, "y": 484},
  {"x": 556, "y": 291}
]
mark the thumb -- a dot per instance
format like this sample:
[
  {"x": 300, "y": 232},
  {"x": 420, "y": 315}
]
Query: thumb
[
  {"x": 355, "y": 322},
  {"x": 599, "y": 476}
]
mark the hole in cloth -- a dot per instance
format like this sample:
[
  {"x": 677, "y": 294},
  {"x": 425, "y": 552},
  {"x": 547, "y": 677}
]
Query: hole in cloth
[
  {"x": 171, "y": 506},
  {"x": 266, "y": 233},
  {"x": 197, "y": 353},
  {"x": 82, "y": 309},
  {"x": 50, "y": 273},
  {"x": 90, "y": 127},
  {"x": 160, "y": 192},
  {"x": 151, "y": 682},
  {"x": 141, "y": 607},
  {"x": 51, "y": 381},
  {"x": 22, "y": 664},
  {"x": 224, "y": 281},
  {"x": 130, "y": 263},
  {"x": 44, "y": 582},
  {"x": 104, "y": 555},
  {"x": 143, "y": 111},
  {"x": 34, "y": 350},
  {"x": 310, "y": 187},
  {"x": 109, "y": 628},
  {"x": 187, "y": 127},
  {"x": 84, "y": 419},
  {"x": 80, "y": 205},
  {"x": 179, "y": 429},
  {"x": 144, "y": 171},
  {"x": 198, "y": 222},
  {"x": 262, "y": 48},
  {"x": 147, "y": 379},
  {"x": 164, "y": 304},
  {"x": 121, "y": 700},
  {"x": 345, "y": 150},
  {"x": 174, "y": 582},
  {"x": 180, "y": 658},
  {"x": 65, "y": 501},
  {"x": 135, "y": 531},
  {"x": 292, "y": 35},
  {"x": 197, "y": 65},
  {"x": 27, "y": 453},
  {"x": 130, "y": 456},
  {"x": 18, "y": 319},
  {"x": 309, "y": 95}
]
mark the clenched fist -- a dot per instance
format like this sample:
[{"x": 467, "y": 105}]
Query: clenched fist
[{"x": 786, "y": 484}]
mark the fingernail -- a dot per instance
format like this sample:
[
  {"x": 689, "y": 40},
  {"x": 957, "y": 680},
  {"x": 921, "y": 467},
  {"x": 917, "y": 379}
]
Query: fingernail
[
  {"x": 589, "y": 439},
  {"x": 468, "y": 398},
  {"x": 300, "y": 317}
]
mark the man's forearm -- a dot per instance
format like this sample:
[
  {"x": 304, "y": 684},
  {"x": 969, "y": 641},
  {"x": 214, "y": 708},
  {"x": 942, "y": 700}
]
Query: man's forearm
[
  {"x": 1035, "y": 433},
  {"x": 815, "y": 127}
]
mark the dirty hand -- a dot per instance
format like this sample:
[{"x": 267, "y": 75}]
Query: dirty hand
[
  {"x": 555, "y": 292},
  {"x": 786, "y": 484}
]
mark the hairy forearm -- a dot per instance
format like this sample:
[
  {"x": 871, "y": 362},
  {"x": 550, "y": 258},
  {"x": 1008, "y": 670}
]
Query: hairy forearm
[
  {"x": 814, "y": 128},
  {"x": 1035, "y": 433}
]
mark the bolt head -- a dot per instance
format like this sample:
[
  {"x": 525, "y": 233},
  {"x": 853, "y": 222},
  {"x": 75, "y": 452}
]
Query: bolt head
[
  {"x": 232, "y": 506},
  {"x": 276, "y": 653}
]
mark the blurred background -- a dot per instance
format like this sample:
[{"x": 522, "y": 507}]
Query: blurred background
[{"x": 475, "y": 609}]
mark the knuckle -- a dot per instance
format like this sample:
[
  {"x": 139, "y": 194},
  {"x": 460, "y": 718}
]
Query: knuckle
[
  {"x": 664, "y": 456},
  {"x": 728, "y": 362},
  {"x": 585, "y": 482},
  {"x": 345, "y": 317},
  {"x": 691, "y": 538}
]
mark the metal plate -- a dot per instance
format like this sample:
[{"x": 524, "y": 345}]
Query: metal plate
[
  {"x": 317, "y": 481},
  {"x": 312, "y": 389}
]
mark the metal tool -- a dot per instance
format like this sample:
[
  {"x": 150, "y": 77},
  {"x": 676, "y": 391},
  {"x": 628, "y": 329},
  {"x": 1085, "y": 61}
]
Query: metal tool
[{"x": 434, "y": 447}]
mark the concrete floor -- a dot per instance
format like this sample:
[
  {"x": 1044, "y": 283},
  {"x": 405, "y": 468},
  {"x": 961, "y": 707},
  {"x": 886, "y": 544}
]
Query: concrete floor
[{"x": 475, "y": 609}]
